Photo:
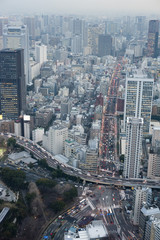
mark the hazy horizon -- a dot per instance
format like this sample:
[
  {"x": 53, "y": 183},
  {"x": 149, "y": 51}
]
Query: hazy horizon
[{"x": 83, "y": 7}]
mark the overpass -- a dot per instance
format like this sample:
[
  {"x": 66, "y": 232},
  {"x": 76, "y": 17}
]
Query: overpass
[{"x": 40, "y": 153}]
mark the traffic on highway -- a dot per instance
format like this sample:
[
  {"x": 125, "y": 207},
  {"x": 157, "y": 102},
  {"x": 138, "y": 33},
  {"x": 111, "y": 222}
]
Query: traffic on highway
[{"x": 40, "y": 153}]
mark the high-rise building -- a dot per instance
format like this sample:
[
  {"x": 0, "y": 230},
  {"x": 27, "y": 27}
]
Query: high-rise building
[
  {"x": 141, "y": 195},
  {"x": 40, "y": 53},
  {"x": 152, "y": 229},
  {"x": 91, "y": 161},
  {"x": 140, "y": 25},
  {"x": 17, "y": 128},
  {"x": 146, "y": 213},
  {"x": 3, "y": 21},
  {"x": 110, "y": 27},
  {"x": 17, "y": 37},
  {"x": 153, "y": 32},
  {"x": 54, "y": 139},
  {"x": 153, "y": 170},
  {"x": 30, "y": 22},
  {"x": 76, "y": 44},
  {"x": 104, "y": 45},
  {"x": 138, "y": 100},
  {"x": 80, "y": 34},
  {"x": 155, "y": 135},
  {"x": 37, "y": 135},
  {"x": 12, "y": 83},
  {"x": 134, "y": 131}
]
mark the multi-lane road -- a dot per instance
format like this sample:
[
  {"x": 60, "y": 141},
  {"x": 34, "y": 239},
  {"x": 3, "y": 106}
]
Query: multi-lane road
[
  {"x": 108, "y": 139},
  {"x": 106, "y": 207}
]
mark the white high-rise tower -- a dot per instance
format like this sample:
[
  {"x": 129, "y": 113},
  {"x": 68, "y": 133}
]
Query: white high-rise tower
[
  {"x": 138, "y": 100},
  {"x": 134, "y": 129}
]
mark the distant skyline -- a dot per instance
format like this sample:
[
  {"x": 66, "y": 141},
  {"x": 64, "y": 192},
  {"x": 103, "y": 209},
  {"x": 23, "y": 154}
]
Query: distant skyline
[{"x": 84, "y": 7}]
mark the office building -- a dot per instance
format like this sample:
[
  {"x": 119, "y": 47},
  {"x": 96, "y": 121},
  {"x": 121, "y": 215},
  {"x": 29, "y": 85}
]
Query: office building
[
  {"x": 155, "y": 135},
  {"x": 18, "y": 128},
  {"x": 153, "y": 33},
  {"x": 66, "y": 106},
  {"x": 80, "y": 28},
  {"x": 54, "y": 139},
  {"x": 153, "y": 170},
  {"x": 7, "y": 126},
  {"x": 17, "y": 37},
  {"x": 37, "y": 135},
  {"x": 133, "y": 148},
  {"x": 91, "y": 161},
  {"x": 40, "y": 53},
  {"x": 76, "y": 44},
  {"x": 146, "y": 213},
  {"x": 27, "y": 131},
  {"x": 3, "y": 22},
  {"x": 43, "y": 117},
  {"x": 30, "y": 22},
  {"x": 140, "y": 25},
  {"x": 141, "y": 195},
  {"x": 12, "y": 83},
  {"x": 104, "y": 45},
  {"x": 138, "y": 100},
  {"x": 152, "y": 229}
]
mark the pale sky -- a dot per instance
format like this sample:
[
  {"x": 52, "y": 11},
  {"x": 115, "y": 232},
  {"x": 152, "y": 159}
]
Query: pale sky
[{"x": 80, "y": 6}]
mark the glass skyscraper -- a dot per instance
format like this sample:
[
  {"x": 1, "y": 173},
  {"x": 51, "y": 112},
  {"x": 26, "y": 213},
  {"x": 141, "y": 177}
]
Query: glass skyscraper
[
  {"x": 17, "y": 37},
  {"x": 153, "y": 33},
  {"x": 12, "y": 83}
]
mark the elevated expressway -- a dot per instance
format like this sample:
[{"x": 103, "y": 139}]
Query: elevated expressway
[{"x": 40, "y": 153}]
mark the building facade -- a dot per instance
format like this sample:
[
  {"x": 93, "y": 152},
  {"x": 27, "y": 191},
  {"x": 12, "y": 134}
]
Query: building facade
[
  {"x": 104, "y": 45},
  {"x": 133, "y": 148},
  {"x": 138, "y": 100},
  {"x": 153, "y": 33},
  {"x": 140, "y": 196},
  {"x": 153, "y": 170},
  {"x": 54, "y": 139},
  {"x": 17, "y": 37},
  {"x": 37, "y": 134},
  {"x": 12, "y": 83}
]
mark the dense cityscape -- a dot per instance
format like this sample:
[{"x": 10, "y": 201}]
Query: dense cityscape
[{"x": 79, "y": 127}]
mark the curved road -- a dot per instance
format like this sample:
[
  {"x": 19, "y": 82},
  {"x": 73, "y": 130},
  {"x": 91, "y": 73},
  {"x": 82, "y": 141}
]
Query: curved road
[{"x": 40, "y": 153}]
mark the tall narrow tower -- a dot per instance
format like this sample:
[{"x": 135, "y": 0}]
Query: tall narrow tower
[
  {"x": 12, "y": 83},
  {"x": 153, "y": 32},
  {"x": 134, "y": 131},
  {"x": 138, "y": 100}
]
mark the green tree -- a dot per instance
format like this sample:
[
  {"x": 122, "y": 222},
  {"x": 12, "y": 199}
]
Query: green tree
[
  {"x": 45, "y": 183},
  {"x": 13, "y": 178},
  {"x": 70, "y": 194},
  {"x": 30, "y": 197},
  {"x": 20, "y": 212},
  {"x": 11, "y": 142},
  {"x": 58, "y": 206},
  {"x": 2, "y": 142},
  {"x": 10, "y": 231},
  {"x": 54, "y": 174}
]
